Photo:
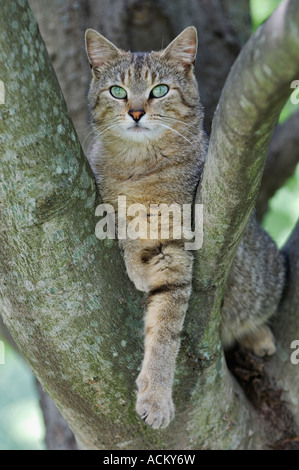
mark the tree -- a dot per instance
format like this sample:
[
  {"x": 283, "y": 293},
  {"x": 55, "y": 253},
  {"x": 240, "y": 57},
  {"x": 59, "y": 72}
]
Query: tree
[{"x": 65, "y": 296}]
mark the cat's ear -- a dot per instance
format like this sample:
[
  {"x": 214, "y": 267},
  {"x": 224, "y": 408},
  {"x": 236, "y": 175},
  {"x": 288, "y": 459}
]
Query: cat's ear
[
  {"x": 99, "y": 50},
  {"x": 183, "y": 48}
]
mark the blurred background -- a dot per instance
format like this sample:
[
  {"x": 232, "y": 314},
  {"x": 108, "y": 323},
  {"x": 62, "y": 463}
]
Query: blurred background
[{"x": 21, "y": 421}]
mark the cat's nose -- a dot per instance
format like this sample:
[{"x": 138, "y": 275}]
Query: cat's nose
[{"x": 136, "y": 115}]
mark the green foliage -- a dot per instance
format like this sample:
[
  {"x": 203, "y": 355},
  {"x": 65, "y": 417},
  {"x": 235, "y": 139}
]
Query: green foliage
[
  {"x": 21, "y": 420},
  {"x": 284, "y": 206},
  {"x": 288, "y": 109},
  {"x": 261, "y": 9},
  {"x": 284, "y": 210}
]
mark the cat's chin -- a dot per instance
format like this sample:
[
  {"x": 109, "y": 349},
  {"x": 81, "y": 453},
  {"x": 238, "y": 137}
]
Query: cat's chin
[{"x": 139, "y": 134}]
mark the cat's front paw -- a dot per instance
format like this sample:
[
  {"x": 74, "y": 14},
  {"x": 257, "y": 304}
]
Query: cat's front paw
[{"x": 154, "y": 403}]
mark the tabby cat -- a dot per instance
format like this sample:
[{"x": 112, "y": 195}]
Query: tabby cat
[{"x": 150, "y": 147}]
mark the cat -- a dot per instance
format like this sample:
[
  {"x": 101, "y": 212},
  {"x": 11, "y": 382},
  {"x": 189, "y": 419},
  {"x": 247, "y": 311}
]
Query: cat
[{"x": 151, "y": 147}]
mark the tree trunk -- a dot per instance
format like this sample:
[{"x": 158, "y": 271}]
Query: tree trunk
[{"x": 65, "y": 296}]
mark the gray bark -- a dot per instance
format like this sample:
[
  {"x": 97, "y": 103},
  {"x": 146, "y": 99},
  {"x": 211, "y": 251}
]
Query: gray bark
[
  {"x": 62, "y": 24},
  {"x": 65, "y": 296},
  {"x": 58, "y": 434}
]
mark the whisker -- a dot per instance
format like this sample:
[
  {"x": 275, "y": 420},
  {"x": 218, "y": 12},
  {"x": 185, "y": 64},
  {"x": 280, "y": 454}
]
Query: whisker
[
  {"x": 86, "y": 137},
  {"x": 93, "y": 140},
  {"x": 83, "y": 128},
  {"x": 192, "y": 133},
  {"x": 174, "y": 119},
  {"x": 177, "y": 132},
  {"x": 100, "y": 133},
  {"x": 166, "y": 118}
]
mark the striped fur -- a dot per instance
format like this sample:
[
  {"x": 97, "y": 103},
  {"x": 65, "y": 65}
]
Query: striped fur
[
  {"x": 158, "y": 160},
  {"x": 159, "y": 165}
]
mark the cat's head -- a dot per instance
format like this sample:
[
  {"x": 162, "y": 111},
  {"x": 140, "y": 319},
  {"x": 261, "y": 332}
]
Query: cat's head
[{"x": 139, "y": 97}]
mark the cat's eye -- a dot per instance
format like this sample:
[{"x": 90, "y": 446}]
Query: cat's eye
[
  {"x": 159, "y": 91},
  {"x": 118, "y": 92}
]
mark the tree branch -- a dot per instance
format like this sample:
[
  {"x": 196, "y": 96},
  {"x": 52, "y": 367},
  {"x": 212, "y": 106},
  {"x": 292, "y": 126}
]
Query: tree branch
[
  {"x": 281, "y": 162},
  {"x": 250, "y": 104},
  {"x": 286, "y": 328},
  {"x": 252, "y": 98},
  {"x": 58, "y": 434},
  {"x": 54, "y": 276}
]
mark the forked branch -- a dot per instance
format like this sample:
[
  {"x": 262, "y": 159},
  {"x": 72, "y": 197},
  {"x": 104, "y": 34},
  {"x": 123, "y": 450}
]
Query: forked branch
[{"x": 252, "y": 98}]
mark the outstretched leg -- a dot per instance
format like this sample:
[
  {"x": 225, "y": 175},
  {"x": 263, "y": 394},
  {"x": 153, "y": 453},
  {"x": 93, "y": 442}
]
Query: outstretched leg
[{"x": 168, "y": 271}]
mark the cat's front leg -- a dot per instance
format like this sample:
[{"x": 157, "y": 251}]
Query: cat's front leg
[
  {"x": 154, "y": 401},
  {"x": 169, "y": 274}
]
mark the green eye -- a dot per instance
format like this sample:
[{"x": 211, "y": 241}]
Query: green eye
[
  {"x": 118, "y": 92},
  {"x": 159, "y": 91}
]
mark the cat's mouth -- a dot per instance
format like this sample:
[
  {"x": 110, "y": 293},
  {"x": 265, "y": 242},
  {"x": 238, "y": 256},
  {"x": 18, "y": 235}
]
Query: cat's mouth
[{"x": 137, "y": 128}]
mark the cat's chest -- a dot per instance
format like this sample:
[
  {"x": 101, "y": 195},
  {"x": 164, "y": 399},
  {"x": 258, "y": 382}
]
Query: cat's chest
[{"x": 153, "y": 188}]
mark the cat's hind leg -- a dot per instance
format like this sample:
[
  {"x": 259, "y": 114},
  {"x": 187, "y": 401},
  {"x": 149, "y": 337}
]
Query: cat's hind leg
[{"x": 261, "y": 342}]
